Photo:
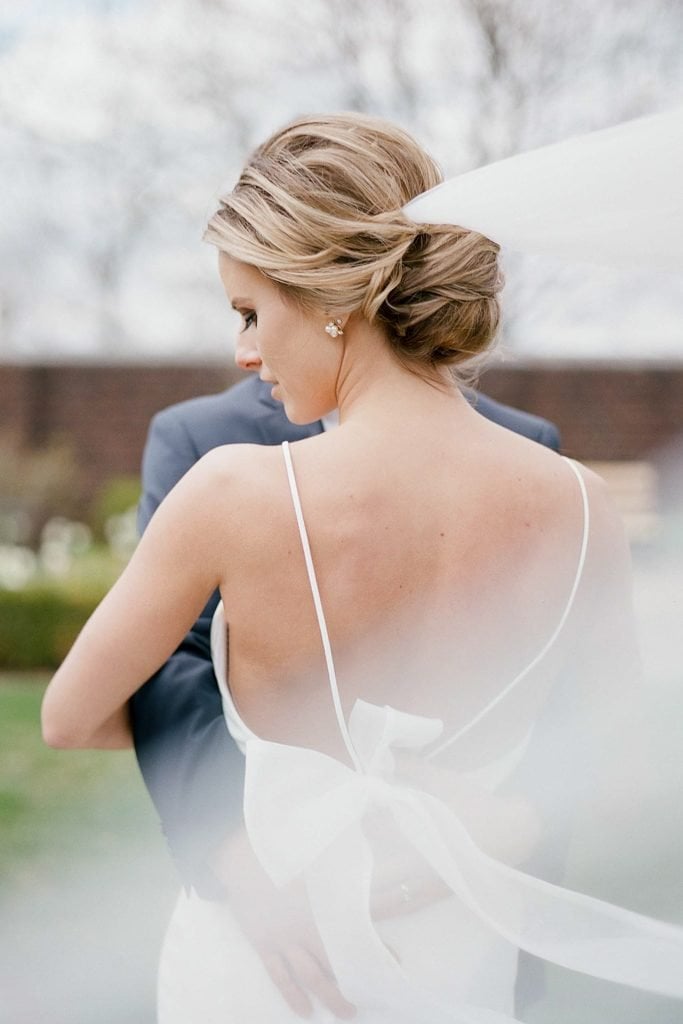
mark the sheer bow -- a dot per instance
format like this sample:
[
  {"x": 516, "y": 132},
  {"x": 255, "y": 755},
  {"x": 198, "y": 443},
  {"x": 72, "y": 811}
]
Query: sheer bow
[{"x": 305, "y": 811}]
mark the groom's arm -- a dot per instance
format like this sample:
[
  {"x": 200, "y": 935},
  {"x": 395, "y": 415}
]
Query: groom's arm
[{"x": 190, "y": 765}]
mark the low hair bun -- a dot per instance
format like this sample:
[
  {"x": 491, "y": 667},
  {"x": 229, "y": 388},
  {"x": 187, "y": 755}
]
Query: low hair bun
[{"x": 444, "y": 308}]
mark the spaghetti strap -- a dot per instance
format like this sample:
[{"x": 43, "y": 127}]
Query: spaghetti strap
[
  {"x": 322, "y": 625},
  {"x": 553, "y": 636}
]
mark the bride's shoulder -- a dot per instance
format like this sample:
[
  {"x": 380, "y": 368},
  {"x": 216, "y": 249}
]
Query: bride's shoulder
[
  {"x": 607, "y": 547},
  {"x": 561, "y": 494},
  {"x": 238, "y": 467},
  {"x": 238, "y": 477},
  {"x": 228, "y": 470},
  {"x": 599, "y": 505},
  {"x": 557, "y": 479}
]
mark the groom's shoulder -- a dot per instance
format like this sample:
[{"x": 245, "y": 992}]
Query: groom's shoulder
[
  {"x": 238, "y": 398},
  {"x": 525, "y": 423},
  {"x": 228, "y": 416}
]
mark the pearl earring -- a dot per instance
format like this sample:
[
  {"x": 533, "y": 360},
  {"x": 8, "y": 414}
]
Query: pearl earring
[{"x": 334, "y": 328}]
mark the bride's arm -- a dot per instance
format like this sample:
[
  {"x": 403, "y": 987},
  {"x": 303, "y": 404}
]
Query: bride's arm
[{"x": 144, "y": 617}]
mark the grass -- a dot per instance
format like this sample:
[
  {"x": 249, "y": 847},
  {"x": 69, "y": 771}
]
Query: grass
[
  {"x": 59, "y": 801},
  {"x": 86, "y": 884}
]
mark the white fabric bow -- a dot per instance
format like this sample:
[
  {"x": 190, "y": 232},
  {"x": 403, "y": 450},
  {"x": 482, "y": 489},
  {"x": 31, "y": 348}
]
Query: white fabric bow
[
  {"x": 298, "y": 801},
  {"x": 304, "y": 812}
]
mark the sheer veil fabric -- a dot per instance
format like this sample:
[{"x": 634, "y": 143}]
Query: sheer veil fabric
[
  {"x": 307, "y": 816},
  {"x": 612, "y": 197},
  {"x": 531, "y": 817}
]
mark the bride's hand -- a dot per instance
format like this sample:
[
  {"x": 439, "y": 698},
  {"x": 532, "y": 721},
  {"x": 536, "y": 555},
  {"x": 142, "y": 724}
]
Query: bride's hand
[
  {"x": 403, "y": 882},
  {"x": 404, "y": 885},
  {"x": 279, "y": 925},
  {"x": 505, "y": 826}
]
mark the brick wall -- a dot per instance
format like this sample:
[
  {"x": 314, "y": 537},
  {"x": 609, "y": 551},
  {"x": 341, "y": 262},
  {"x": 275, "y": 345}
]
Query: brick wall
[
  {"x": 15, "y": 403},
  {"x": 102, "y": 411},
  {"x": 604, "y": 412}
]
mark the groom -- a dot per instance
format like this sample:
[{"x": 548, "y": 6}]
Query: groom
[{"x": 190, "y": 765}]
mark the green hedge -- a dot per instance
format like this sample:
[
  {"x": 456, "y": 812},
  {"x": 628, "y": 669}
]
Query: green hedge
[
  {"x": 118, "y": 495},
  {"x": 38, "y": 626}
]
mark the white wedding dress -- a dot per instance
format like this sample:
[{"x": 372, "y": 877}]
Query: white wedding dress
[{"x": 454, "y": 960}]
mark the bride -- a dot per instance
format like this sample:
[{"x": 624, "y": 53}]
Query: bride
[{"x": 404, "y": 595}]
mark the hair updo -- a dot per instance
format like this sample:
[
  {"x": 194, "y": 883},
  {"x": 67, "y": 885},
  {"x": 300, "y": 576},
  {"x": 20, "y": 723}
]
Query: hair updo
[{"x": 318, "y": 210}]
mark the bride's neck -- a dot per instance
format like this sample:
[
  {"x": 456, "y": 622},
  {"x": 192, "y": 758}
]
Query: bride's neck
[{"x": 374, "y": 385}]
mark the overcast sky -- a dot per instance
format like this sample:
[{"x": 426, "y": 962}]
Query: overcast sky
[{"x": 121, "y": 120}]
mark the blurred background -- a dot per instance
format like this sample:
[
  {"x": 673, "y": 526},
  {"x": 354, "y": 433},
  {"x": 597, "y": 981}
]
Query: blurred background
[
  {"x": 123, "y": 119},
  {"x": 120, "y": 123}
]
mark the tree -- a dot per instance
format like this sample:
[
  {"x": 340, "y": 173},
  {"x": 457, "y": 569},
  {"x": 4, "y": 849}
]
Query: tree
[{"x": 122, "y": 123}]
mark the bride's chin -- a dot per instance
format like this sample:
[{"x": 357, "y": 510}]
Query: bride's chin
[
  {"x": 299, "y": 415},
  {"x": 292, "y": 411}
]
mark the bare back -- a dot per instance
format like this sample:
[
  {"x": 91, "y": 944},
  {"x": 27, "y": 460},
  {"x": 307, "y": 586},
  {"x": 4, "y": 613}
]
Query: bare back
[{"x": 444, "y": 561}]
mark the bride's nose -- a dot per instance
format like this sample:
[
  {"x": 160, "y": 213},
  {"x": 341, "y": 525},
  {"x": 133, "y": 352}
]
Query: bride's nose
[{"x": 247, "y": 357}]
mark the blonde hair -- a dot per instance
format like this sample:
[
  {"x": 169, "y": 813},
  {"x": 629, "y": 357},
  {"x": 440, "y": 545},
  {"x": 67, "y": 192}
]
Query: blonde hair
[{"x": 318, "y": 210}]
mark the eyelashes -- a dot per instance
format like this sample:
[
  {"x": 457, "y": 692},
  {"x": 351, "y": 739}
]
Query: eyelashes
[{"x": 249, "y": 320}]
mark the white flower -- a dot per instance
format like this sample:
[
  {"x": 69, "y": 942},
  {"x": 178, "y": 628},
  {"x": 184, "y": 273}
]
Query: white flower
[{"x": 17, "y": 566}]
